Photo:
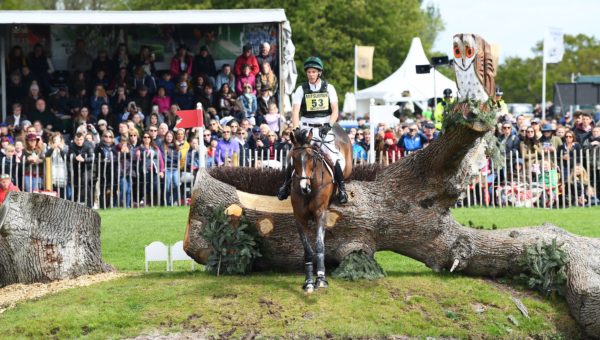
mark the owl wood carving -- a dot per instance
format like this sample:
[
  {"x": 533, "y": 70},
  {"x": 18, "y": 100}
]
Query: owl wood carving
[{"x": 475, "y": 67}]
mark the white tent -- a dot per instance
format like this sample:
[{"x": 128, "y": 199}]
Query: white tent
[{"x": 420, "y": 86}]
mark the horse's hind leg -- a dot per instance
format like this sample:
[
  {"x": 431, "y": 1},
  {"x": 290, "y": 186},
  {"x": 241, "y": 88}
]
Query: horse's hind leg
[
  {"x": 309, "y": 285},
  {"x": 321, "y": 281}
]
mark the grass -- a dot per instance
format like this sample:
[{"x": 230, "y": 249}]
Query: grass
[{"x": 410, "y": 301}]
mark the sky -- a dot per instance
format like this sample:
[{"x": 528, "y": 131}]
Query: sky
[{"x": 516, "y": 25}]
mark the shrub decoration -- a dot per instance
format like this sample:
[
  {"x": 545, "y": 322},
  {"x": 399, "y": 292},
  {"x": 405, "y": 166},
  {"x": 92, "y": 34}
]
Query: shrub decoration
[
  {"x": 358, "y": 265},
  {"x": 545, "y": 267},
  {"x": 233, "y": 241}
]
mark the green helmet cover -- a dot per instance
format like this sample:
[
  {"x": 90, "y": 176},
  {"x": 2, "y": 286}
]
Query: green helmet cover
[{"x": 313, "y": 62}]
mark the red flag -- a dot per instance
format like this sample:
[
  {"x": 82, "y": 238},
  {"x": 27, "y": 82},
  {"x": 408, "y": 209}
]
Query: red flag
[{"x": 190, "y": 119}]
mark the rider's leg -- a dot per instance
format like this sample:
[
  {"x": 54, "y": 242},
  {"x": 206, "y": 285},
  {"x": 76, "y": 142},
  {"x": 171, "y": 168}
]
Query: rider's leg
[
  {"x": 339, "y": 179},
  {"x": 321, "y": 281},
  {"x": 284, "y": 191}
]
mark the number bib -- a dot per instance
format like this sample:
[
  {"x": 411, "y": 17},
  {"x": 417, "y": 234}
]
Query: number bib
[{"x": 317, "y": 101}]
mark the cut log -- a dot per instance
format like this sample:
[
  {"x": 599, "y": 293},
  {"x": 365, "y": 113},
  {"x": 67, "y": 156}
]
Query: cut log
[
  {"x": 264, "y": 226},
  {"x": 405, "y": 209},
  {"x": 43, "y": 238}
]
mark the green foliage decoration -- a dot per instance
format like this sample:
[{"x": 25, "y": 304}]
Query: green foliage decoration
[
  {"x": 359, "y": 265},
  {"x": 233, "y": 248},
  {"x": 544, "y": 266}
]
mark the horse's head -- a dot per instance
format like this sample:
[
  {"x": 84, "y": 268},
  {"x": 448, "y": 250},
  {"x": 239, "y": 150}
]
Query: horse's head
[{"x": 303, "y": 158}]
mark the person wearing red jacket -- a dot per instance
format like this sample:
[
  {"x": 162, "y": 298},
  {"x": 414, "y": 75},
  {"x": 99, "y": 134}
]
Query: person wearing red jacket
[
  {"x": 181, "y": 63},
  {"x": 247, "y": 58},
  {"x": 6, "y": 186}
]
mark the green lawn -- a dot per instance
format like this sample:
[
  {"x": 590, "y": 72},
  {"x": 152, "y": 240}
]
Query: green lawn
[{"x": 410, "y": 301}]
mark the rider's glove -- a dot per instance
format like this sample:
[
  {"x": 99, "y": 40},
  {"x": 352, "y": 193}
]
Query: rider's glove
[{"x": 324, "y": 130}]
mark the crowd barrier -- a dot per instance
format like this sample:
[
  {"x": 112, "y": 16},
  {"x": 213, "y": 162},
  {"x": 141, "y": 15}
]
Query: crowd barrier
[{"x": 126, "y": 180}]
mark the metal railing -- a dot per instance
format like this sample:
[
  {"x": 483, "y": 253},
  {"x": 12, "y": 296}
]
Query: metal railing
[{"x": 137, "y": 179}]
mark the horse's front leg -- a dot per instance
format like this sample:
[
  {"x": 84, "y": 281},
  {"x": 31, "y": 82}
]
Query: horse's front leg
[
  {"x": 321, "y": 281},
  {"x": 309, "y": 284}
]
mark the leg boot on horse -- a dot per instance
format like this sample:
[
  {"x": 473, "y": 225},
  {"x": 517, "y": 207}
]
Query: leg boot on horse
[
  {"x": 342, "y": 196},
  {"x": 321, "y": 281},
  {"x": 284, "y": 191}
]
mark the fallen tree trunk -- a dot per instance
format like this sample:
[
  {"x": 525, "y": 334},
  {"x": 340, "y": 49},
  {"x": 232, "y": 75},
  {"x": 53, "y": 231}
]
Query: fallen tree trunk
[
  {"x": 405, "y": 209},
  {"x": 44, "y": 238}
]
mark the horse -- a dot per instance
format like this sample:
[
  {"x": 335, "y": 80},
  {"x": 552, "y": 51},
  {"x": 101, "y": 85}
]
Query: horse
[{"x": 312, "y": 191}]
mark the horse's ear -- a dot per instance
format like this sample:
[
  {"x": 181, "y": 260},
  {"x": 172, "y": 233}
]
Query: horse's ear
[
  {"x": 293, "y": 137},
  {"x": 309, "y": 135}
]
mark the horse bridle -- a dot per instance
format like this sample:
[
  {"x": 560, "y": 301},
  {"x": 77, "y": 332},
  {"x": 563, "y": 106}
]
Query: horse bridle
[{"x": 317, "y": 156}]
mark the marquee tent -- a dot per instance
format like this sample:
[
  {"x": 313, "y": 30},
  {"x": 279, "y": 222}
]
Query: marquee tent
[{"x": 405, "y": 81}]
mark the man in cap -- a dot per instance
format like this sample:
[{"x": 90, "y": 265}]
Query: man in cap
[
  {"x": 6, "y": 186},
  {"x": 183, "y": 98},
  {"x": 247, "y": 58},
  {"x": 430, "y": 132},
  {"x": 498, "y": 103},
  {"x": 264, "y": 100},
  {"x": 442, "y": 106},
  {"x": 315, "y": 107},
  {"x": 550, "y": 143}
]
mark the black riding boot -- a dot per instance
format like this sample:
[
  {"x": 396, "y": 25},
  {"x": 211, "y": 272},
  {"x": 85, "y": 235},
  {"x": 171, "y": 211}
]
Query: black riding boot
[
  {"x": 284, "y": 191},
  {"x": 339, "y": 179}
]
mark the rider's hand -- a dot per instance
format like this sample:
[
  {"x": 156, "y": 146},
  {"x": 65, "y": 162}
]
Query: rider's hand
[{"x": 324, "y": 130}]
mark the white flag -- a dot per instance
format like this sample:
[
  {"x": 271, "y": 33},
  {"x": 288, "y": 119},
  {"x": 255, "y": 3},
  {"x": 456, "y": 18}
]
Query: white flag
[{"x": 554, "y": 47}]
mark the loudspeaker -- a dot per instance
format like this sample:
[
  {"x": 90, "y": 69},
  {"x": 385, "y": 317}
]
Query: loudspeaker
[{"x": 421, "y": 69}]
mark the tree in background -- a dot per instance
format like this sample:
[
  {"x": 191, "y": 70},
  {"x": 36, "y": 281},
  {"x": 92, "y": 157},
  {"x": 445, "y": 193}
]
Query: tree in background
[
  {"x": 331, "y": 28},
  {"x": 521, "y": 79}
]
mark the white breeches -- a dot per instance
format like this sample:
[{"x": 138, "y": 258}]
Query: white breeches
[{"x": 328, "y": 147}]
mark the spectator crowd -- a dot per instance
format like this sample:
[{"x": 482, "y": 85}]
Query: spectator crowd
[{"x": 103, "y": 131}]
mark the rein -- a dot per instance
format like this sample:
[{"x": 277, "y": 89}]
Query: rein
[{"x": 318, "y": 156}]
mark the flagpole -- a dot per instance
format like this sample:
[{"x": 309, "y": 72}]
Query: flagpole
[
  {"x": 544, "y": 79},
  {"x": 355, "y": 69},
  {"x": 200, "y": 132}
]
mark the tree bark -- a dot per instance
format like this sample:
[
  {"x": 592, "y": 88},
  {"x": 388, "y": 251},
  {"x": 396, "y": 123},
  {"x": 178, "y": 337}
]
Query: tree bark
[
  {"x": 406, "y": 210},
  {"x": 44, "y": 238}
]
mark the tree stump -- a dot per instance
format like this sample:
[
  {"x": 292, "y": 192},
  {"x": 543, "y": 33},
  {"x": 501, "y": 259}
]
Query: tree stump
[
  {"x": 405, "y": 209},
  {"x": 44, "y": 238}
]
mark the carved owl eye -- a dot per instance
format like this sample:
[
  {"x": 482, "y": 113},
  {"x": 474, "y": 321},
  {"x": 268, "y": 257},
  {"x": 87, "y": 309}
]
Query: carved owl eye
[
  {"x": 469, "y": 51},
  {"x": 456, "y": 52}
]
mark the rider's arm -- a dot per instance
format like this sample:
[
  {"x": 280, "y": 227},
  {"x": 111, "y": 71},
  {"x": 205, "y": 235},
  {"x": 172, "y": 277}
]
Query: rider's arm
[
  {"x": 296, "y": 102},
  {"x": 333, "y": 102},
  {"x": 295, "y": 115},
  {"x": 334, "y": 113}
]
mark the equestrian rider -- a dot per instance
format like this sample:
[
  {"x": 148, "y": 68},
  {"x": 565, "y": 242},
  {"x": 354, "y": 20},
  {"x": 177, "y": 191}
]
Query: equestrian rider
[{"x": 315, "y": 106}]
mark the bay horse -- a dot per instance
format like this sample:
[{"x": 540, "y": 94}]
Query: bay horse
[{"x": 312, "y": 191}]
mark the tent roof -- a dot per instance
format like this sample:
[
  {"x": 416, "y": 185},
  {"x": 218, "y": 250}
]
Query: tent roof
[
  {"x": 406, "y": 78},
  {"x": 229, "y": 16}
]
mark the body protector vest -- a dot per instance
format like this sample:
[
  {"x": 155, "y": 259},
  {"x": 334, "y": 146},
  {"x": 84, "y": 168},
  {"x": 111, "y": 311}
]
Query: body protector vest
[{"x": 315, "y": 103}]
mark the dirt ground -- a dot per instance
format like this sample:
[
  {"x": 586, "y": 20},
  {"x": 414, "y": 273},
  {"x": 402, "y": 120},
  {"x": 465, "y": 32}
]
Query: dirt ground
[{"x": 13, "y": 294}]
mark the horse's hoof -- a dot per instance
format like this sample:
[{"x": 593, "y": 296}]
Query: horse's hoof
[
  {"x": 322, "y": 283},
  {"x": 309, "y": 288}
]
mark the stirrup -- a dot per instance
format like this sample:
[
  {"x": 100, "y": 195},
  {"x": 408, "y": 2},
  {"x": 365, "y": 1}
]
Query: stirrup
[{"x": 322, "y": 282}]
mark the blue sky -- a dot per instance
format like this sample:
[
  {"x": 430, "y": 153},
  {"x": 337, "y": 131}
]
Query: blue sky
[{"x": 516, "y": 25}]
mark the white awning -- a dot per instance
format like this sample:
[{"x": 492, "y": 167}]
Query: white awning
[{"x": 226, "y": 16}]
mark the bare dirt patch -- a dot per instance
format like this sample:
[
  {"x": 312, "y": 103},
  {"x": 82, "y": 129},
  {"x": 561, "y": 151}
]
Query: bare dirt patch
[{"x": 13, "y": 294}]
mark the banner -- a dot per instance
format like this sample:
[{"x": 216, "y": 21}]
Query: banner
[
  {"x": 364, "y": 61},
  {"x": 190, "y": 119},
  {"x": 554, "y": 47}
]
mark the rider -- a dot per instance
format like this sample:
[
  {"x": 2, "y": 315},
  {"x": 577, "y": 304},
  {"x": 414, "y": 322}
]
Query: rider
[
  {"x": 440, "y": 109},
  {"x": 315, "y": 106}
]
